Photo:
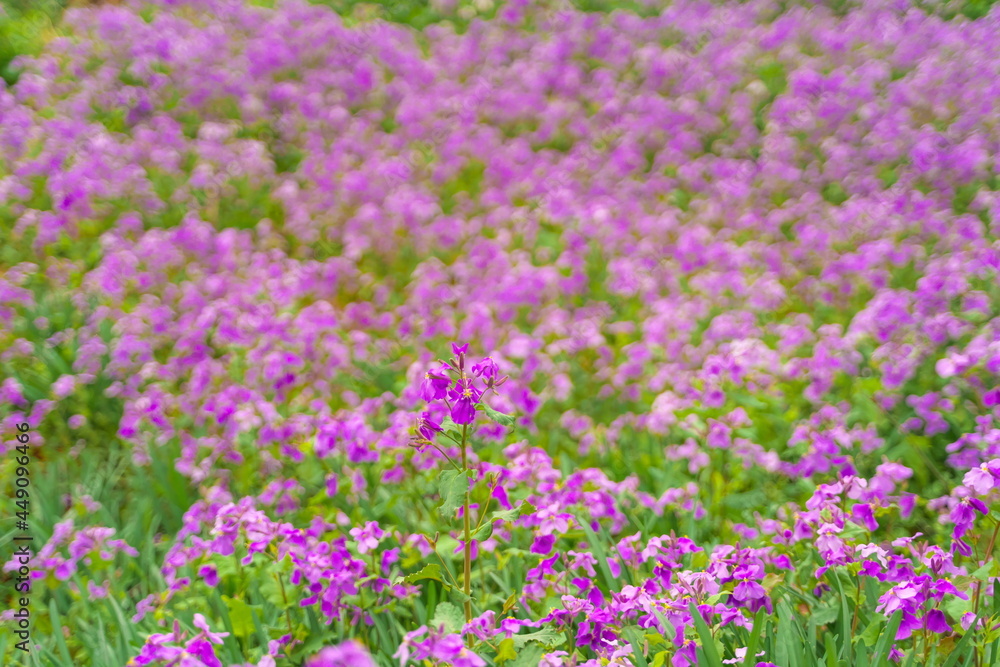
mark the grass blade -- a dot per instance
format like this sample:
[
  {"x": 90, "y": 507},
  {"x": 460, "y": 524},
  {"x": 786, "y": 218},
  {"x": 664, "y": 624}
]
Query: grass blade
[
  {"x": 755, "y": 632},
  {"x": 707, "y": 640},
  {"x": 887, "y": 639}
]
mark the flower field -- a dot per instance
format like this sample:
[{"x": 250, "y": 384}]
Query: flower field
[{"x": 516, "y": 334}]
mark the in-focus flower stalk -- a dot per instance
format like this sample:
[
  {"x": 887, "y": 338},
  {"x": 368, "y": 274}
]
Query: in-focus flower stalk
[
  {"x": 468, "y": 536},
  {"x": 457, "y": 390}
]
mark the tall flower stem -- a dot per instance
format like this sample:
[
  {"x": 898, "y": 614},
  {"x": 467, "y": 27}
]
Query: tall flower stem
[
  {"x": 468, "y": 534},
  {"x": 989, "y": 554},
  {"x": 979, "y": 585}
]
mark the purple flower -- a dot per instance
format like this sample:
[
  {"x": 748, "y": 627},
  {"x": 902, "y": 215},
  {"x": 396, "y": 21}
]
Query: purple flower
[
  {"x": 935, "y": 621},
  {"x": 863, "y": 515},
  {"x": 367, "y": 537},
  {"x": 64, "y": 386},
  {"x": 465, "y": 397},
  {"x": 983, "y": 479},
  {"x": 347, "y": 654},
  {"x": 434, "y": 386},
  {"x": 214, "y": 637},
  {"x": 748, "y": 590},
  {"x": 427, "y": 426},
  {"x": 209, "y": 574},
  {"x": 487, "y": 368}
]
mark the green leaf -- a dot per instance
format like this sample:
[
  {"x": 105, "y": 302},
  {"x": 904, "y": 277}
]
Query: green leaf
[
  {"x": 449, "y": 426},
  {"x": 755, "y": 632},
  {"x": 530, "y": 656},
  {"x": 707, "y": 641},
  {"x": 524, "y": 509},
  {"x": 452, "y": 486},
  {"x": 886, "y": 640},
  {"x": 505, "y": 651},
  {"x": 787, "y": 647},
  {"x": 457, "y": 596},
  {"x": 871, "y": 633},
  {"x": 633, "y": 639},
  {"x": 831, "y": 650},
  {"x": 505, "y": 515},
  {"x": 484, "y": 532},
  {"x": 450, "y": 616},
  {"x": 825, "y": 615},
  {"x": 546, "y": 636},
  {"x": 431, "y": 571},
  {"x": 983, "y": 572},
  {"x": 498, "y": 417},
  {"x": 240, "y": 616}
]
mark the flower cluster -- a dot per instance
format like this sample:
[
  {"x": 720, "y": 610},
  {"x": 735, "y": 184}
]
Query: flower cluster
[{"x": 740, "y": 260}]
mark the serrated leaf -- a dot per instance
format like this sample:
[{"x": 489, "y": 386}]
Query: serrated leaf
[
  {"x": 450, "y": 616},
  {"x": 505, "y": 515},
  {"x": 240, "y": 616},
  {"x": 524, "y": 509},
  {"x": 825, "y": 614},
  {"x": 431, "y": 571},
  {"x": 498, "y": 417},
  {"x": 547, "y": 637},
  {"x": 452, "y": 486},
  {"x": 505, "y": 651}
]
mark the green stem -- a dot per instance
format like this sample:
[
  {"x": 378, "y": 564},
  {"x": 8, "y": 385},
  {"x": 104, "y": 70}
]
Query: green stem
[
  {"x": 979, "y": 587},
  {"x": 468, "y": 534},
  {"x": 443, "y": 453},
  {"x": 288, "y": 614},
  {"x": 482, "y": 515},
  {"x": 239, "y": 570},
  {"x": 989, "y": 554},
  {"x": 857, "y": 603},
  {"x": 447, "y": 569}
]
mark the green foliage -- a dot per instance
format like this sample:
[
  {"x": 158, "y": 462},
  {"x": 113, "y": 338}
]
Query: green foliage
[{"x": 25, "y": 26}]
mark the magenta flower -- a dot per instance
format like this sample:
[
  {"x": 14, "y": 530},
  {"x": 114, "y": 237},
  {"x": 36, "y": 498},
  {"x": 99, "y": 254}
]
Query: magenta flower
[
  {"x": 427, "y": 427},
  {"x": 897, "y": 597},
  {"x": 863, "y": 515},
  {"x": 465, "y": 397},
  {"x": 434, "y": 385},
  {"x": 935, "y": 621},
  {"x": 748, "y": 590},
  {"x": 206, "y": 632},
  {"x": 487, "y": 368},
  {"x": 983, "y": 479},
  {"x": 347, "y": 654},
  {"x": 368, "y": 537}
]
